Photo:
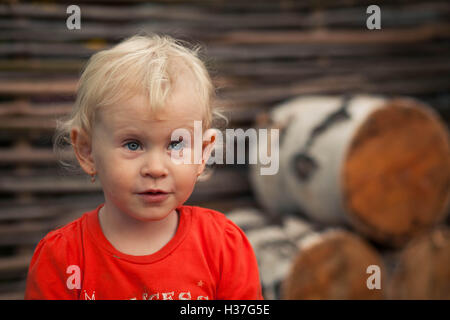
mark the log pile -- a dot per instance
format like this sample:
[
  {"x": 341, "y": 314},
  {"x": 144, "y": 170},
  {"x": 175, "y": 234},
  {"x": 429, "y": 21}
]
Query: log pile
[
  {"x": 260, "y": 54},
  {"x": 300, "y": 260},
  {"x": 380, "y": 165},
  {"x": 375, "y": 167}
]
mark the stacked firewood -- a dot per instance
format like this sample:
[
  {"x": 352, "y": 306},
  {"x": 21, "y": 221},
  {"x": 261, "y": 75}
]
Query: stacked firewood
[
  {"x": 298, "y": 259},
  {"x": 363, "y": 187},
  {"x": 259, "y": 53}
]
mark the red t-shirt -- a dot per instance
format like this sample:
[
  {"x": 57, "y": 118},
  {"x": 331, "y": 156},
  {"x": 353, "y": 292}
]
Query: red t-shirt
[{"x": 209, "y": 257}]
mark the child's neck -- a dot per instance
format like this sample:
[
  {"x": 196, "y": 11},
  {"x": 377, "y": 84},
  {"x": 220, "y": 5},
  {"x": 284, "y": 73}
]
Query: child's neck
[{"x": 134, "y": 237}]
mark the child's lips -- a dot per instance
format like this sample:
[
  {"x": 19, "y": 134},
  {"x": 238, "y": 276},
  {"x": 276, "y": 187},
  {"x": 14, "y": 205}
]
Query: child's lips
[
  {"x": 153, "y": 191},
  {"x": 153, "y": 197}
]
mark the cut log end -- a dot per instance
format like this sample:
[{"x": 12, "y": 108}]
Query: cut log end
[
  {"x": 423, "y": 269},
  {"x": 396, "y": 176},
  {"x": 333, "y": 267}
]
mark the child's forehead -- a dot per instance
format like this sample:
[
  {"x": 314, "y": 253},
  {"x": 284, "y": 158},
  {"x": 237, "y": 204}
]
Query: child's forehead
[
  {"x": 136, "y": 113},
  {"x": 152, "y": 129}
]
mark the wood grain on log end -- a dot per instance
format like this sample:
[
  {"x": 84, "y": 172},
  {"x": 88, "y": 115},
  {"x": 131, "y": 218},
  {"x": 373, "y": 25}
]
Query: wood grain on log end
[
  {"x": 333, "y": 266},
  {"x": 396, "y": 176},
  {"x": 423, "y": 269}
]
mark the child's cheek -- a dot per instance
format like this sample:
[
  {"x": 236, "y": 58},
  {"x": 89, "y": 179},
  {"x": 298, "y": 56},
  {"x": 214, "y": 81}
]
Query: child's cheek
[{"x": 186, "y": 175}]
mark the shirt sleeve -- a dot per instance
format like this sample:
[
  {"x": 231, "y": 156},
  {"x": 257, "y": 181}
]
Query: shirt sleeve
[
  {"x": 47, "y": 277},
  {"x": 239, "y": 278}
]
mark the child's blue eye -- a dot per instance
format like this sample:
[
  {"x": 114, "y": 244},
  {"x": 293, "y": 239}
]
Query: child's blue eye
[
  {"x": 132, "y": 145},
  {"x": 176, "y": 145}
]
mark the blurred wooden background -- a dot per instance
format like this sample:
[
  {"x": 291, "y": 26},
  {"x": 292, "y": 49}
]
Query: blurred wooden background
[{"x": 259, "y": 53}]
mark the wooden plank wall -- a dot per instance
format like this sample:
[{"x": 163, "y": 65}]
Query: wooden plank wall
[{"x": 259, "y": 53}]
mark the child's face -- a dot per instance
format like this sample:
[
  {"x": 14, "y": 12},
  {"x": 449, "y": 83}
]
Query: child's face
[{"x": 131, "y": 153}]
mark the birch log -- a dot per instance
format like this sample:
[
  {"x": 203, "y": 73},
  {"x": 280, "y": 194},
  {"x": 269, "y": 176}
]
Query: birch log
[
  {"x": 334, "y": 264},
  {"x": 273, "y": 249},
  {"x": 331, "y": 264},
  {"x": 379, "y": 165},
  {"x": 422, "y": 270}
]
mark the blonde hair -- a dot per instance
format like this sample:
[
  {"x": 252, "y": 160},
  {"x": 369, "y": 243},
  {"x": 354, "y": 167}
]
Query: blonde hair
[{"x": 143, "y": 64}]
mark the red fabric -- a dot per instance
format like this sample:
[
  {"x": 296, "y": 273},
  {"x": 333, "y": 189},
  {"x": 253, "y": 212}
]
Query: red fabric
[{"x": 208, "y": 258}]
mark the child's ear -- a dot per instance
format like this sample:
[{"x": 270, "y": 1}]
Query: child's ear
[
  {"x": 82, "y": 146},
  {"x": 209, "y": 140}
]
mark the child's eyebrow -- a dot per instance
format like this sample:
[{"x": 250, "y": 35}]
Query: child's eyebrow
[
  {"x": 126, "y": 131},
  {"x": 135, "y": 132}
]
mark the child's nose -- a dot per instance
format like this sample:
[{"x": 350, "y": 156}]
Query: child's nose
[{"x": 154, "y": 166}]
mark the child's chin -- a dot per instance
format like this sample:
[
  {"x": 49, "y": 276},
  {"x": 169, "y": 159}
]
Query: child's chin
[{"x": 152, "y": 214}]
